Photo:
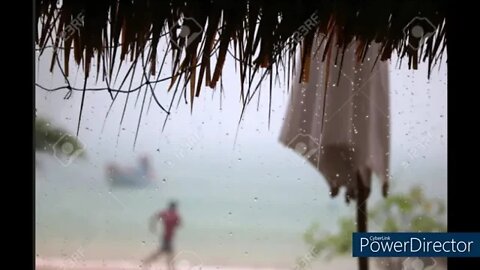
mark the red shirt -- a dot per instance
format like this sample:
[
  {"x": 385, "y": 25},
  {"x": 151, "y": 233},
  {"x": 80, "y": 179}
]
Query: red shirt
[{"x": 170, "y": 220}]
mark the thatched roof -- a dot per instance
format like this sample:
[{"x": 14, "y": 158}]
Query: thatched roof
[{"x": 261, "y": 34}]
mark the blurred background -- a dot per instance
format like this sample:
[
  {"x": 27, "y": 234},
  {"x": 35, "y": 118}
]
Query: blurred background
[{"x": 246, "y": 200}]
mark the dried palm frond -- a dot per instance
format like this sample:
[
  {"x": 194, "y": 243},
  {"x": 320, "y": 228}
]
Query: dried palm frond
[{"x": 264, "y": 35}]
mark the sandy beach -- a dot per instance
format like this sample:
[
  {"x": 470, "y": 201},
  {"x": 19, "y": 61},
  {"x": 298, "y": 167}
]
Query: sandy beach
[{"x": 341, "y": 263}]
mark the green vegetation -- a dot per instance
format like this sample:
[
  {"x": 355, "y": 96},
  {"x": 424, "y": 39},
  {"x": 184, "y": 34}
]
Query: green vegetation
[
  {"x": 51, "y": 139},
  {"x": 411, "y": 211}
]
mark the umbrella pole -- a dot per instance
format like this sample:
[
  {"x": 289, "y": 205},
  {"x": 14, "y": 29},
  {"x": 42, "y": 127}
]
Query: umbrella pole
[{"x": 362, "y": 217}]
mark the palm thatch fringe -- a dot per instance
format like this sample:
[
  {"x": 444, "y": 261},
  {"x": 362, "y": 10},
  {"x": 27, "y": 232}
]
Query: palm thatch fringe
[{"x": 263, "y": 34}]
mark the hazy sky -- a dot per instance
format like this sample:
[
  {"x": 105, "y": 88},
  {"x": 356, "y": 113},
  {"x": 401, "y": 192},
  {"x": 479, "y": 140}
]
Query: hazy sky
[{"x": 206, "y": 137}]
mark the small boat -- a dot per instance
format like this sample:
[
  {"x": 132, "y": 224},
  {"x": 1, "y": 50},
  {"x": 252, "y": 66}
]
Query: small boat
[{"x": 136, "y": 177}]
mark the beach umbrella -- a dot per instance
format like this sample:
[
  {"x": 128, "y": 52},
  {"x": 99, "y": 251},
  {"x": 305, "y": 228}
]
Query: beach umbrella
[{"x": 338, "y": 121}]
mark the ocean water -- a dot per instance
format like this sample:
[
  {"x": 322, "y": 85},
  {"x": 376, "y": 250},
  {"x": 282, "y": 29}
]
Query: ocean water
[
  {"x": 236, "y": 216},
  {"x": 249, "y": 211},
  {"x": 247, "y": 207}
]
